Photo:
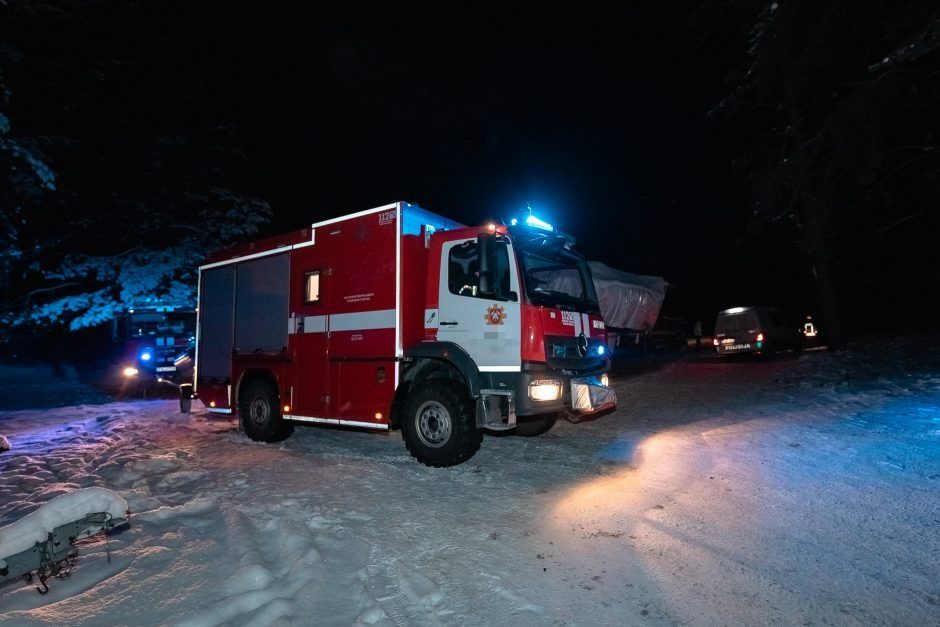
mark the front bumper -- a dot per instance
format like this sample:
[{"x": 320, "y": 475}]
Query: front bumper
[
  {"x": 590, "y": 396},
  {"x": 581, "y": 393}
]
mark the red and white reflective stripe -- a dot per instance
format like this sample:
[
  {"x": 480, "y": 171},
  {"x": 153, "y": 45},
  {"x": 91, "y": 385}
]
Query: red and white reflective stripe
[
  {"x": 363, "y": 320},
  {"x": 336, "y": 421},
  {"x": 315, "y": 324},
  {"x": 582, "y": 324},
  {"x": 357, "y": 321}
]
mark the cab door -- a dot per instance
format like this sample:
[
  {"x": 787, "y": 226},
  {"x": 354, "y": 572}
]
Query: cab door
[{"x": 487, "y": 325}]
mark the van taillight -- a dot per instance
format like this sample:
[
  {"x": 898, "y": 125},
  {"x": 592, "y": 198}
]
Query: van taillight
[{"x": 760, "y": 337}]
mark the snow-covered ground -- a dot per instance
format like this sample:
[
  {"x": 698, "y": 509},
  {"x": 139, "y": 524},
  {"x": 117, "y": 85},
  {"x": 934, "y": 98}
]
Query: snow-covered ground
[{"x": 792, "y": 491}]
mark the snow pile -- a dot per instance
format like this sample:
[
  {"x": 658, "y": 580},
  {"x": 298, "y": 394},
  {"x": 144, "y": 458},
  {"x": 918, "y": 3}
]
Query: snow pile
[
  {"x": 4, "y": 444},
  {"x": 36, "y": 526}
]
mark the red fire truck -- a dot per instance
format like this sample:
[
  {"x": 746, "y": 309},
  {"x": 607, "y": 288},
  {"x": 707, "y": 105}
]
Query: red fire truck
[{"x": 398, "y": 318}]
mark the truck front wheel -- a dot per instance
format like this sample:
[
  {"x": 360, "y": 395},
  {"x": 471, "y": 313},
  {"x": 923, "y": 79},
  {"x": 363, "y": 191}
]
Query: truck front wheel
[
  {"x": 438, "y": 426},
  {"x": 260, "y": 412}
]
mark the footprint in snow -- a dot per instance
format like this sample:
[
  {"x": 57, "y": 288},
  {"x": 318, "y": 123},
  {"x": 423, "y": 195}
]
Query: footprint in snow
[
  {"x": 506, "y": 590},
  {"x": 403, "y": 596},
  {"x": 422, "y": 590}
]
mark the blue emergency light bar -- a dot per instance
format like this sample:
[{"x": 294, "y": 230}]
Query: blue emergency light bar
[
  {"x": 537, "y": 224},
  {"x": 534, "y": 222}
]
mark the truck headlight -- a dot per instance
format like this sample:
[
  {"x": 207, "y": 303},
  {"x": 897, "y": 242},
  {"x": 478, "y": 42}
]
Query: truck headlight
[
  {"x": 545, "y": 390},
  {"x": 605, "y": 381},
  {"x": 130, "y": 371}
]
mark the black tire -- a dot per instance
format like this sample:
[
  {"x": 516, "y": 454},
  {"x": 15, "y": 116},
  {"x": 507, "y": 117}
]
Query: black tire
[
  {"x": 438, "y": 426},
  {"x": 537, "y": 426},
  {"x": 259, "y": 409},
  {"x": 186, "y": 398}
]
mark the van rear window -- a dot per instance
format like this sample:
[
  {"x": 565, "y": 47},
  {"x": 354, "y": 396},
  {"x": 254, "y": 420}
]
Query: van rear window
[{"x": 736, "y": 323}]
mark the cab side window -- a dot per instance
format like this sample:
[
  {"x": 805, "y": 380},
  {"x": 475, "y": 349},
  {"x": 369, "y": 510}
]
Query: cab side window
[
  {"x": 463, "y": 266},
  {"x": 463, "y": 273}
]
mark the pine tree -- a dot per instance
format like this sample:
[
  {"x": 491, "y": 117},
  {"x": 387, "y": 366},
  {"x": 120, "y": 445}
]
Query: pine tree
[{"x": 116, "y": 188}]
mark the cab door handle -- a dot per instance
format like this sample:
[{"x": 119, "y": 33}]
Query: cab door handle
[{"x": 448, "y": 323}]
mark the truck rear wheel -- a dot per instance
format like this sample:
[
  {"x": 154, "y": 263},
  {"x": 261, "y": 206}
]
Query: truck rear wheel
[
  {"x": 438, "y": 426},
  {"x": 260, "y": 412},
  {"x": 537, "y": 426}
]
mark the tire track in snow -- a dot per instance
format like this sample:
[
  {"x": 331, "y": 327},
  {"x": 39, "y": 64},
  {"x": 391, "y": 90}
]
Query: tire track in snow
[{"x": 383, "y": 580}]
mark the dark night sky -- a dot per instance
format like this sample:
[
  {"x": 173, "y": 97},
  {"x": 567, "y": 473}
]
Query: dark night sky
[
  {"x": 598, "y": 121},
  {"x": 576, "y": 119},
  {"x": 600, "y": 124}
]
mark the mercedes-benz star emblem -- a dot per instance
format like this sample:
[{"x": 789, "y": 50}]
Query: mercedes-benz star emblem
[{"x": 582, "y": 345}]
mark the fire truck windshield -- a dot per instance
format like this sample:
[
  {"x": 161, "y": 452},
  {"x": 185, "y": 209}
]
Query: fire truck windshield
[{"x": 555, "y": 276}]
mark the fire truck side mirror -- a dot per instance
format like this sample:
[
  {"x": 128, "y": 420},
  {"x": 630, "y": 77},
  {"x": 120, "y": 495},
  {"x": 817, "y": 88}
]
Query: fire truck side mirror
[{"x": 486, "y": 250}]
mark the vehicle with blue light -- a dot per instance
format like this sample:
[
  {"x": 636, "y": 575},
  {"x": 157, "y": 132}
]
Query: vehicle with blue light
[
  {"x": 399, "y": 318},
  {"x": 754, "y": 330},
  {"x": 157, "y": 346}
]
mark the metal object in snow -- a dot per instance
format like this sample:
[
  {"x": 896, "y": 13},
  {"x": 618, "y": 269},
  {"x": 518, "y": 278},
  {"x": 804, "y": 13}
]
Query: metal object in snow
[{"x": 55, "y": 556}]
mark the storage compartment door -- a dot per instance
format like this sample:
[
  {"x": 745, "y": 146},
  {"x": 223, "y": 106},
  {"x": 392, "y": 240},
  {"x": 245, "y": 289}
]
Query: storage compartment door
[
  {"x": 216, "y": 326},
  {"x": 261, "y": 305}
]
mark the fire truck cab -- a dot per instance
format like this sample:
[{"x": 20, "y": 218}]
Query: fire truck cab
[{"x": 398, "y": 318}]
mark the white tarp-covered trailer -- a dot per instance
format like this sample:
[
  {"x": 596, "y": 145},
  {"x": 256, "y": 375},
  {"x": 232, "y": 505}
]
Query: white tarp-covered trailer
[{"x": 629, "y": 302}]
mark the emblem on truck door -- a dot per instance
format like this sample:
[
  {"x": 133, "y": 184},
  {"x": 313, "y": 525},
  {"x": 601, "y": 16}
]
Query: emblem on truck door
[{"x": 495, "y": 315}]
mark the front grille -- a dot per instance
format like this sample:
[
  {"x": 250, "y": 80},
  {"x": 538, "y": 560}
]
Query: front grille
[{"x": 562, "y": 353}]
